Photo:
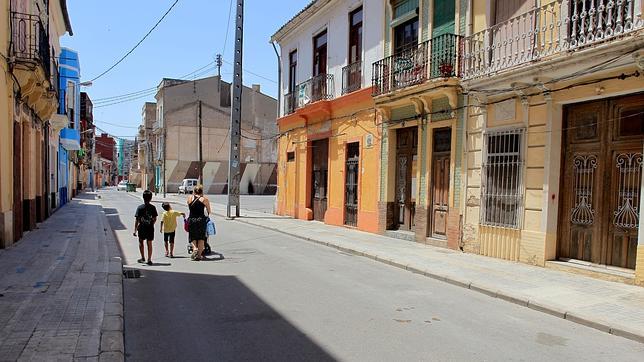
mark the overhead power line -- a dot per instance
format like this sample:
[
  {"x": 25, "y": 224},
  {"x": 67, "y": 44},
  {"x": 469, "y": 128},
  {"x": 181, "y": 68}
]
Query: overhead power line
[
  {"x": 99, "y": 100},
  {"x": 230, "y": 12},
  {"x": 250, "y": 72},
  {"x": 149, "y": 93},
  {"x": 137, "y": 44}
]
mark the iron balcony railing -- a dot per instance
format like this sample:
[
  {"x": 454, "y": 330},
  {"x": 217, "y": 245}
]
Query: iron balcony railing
[
  {"x": 352, "y": 77},
  {"x": 435, "y": 58},
  {"x": 316, "y": 89},
  {"x": 289, "y": 103},
  {"x": 30, "y": 41},
  {"x": 558, "y": 26}
]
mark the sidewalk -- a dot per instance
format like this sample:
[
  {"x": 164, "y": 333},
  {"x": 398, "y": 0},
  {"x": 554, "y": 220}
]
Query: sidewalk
[
  {"x": 61, "y": 294},
  {"x": 607, "y": 306}
]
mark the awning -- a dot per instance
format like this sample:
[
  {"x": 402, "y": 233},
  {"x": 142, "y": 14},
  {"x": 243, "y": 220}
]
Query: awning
[{"x": 70, "y": 139}]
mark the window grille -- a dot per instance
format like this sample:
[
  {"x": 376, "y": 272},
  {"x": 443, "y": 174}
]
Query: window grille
[{"x": 502, "y": 179}]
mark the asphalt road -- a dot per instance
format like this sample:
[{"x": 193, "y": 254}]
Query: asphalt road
[{"x": 276, "y": 298}]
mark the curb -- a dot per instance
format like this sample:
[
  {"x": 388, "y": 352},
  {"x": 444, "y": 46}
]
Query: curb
[
  {"x": 489, "y": 291},
  {"x": 112, "y": 343}
]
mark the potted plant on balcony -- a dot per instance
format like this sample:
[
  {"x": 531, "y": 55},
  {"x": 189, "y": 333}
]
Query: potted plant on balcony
[{"x": 446, "y": 68}]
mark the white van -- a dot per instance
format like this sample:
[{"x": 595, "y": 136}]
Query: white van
[{"x": 187, "y": 185}]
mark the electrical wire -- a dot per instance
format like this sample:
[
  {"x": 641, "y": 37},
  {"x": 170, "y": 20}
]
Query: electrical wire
[
  {"x": 230, "y": 11},
  {"x": 148, "y": 94},
  {"x": 117, "y": 125},
  {"x": 99, "y": 100},
  {"x": 137, "y": 44},
  {"x": 250, "y": 72}
]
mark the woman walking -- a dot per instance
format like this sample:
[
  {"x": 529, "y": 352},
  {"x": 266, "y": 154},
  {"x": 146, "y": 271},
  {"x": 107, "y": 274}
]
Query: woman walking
[{"x": 197, "y": 220}]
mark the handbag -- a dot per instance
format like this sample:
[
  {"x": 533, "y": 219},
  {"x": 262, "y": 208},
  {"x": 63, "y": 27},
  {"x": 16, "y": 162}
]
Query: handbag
[
  {"x": 210, "y": 228},
  {"x": 186, "y": 225}
]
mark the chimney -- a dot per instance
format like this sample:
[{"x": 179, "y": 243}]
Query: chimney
[{"x": 257, "y": 88}]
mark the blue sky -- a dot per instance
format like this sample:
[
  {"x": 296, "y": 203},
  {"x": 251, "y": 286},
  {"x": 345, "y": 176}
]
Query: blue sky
[{"x": 188, "y": 39}]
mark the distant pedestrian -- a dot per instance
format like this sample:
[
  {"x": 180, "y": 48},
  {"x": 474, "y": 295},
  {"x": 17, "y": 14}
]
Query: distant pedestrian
[
  {"x": 146, "y": 217},
  {"x": 197, "y": 221},
  {"x": 169, "y": 227}
]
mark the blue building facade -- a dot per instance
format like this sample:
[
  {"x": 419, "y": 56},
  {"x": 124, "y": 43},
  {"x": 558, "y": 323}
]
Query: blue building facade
[{"x": 69, "y": 105}]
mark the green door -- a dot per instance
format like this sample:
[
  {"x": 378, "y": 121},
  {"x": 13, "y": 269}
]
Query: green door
[{"x": 443, "y": 58}]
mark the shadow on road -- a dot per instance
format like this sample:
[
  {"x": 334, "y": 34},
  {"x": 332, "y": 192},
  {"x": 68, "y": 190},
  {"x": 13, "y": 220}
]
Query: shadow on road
[
  {"x": 196, "y": 317},
  {"x": 113, "y": 217}
]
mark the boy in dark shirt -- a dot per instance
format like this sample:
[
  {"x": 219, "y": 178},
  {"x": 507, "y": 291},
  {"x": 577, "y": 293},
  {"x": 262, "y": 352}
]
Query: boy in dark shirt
[{"x": 146, "y": 217}]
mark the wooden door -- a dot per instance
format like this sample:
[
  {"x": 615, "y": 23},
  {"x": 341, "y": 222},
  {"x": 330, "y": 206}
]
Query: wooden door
[
  {"x": 601, "y": 184},
  {"x": 440, "y": 183},
  {"x": 290, "y": 191},
  {"x": 352, "y": 168},
  {"x": 320, "y": 151},
  {"x": 625, "y": 151},
  {"x": 406, "y": 152}
]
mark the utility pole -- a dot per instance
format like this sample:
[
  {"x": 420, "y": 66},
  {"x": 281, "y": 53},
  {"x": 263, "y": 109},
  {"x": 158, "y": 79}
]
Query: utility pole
[
  {"x": 165, "y": 134},
  {"x": 200, "y": 145},
  {"x": 219, "y": 62},
  {"x": 234, "y": 168}
]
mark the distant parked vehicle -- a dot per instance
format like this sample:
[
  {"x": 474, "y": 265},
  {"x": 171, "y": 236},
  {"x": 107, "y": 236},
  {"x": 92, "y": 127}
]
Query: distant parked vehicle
[
  {"x": 122, "y": 186},
  {"x": 187, "y": 185}
]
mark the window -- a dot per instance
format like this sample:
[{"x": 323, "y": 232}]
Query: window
[
  {"x": 292, "y": 71},
  {"x": 502, "y": 180},
  {"x": 406, "y": 35},
  {"x": 290, "y": 156},
  {"x": 355, "y": 36},
  {"x": 319, "y": 53}
]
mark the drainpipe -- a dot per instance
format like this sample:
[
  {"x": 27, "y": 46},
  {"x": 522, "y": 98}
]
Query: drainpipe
[
  {"x": 279, "y": 105},
  {"x": 279, "y": 78},
  {"x": 466, "y": 102},
  {"x": 464, "y": 171}
]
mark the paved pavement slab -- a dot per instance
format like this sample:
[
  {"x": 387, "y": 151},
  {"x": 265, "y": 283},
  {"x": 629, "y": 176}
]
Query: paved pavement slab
[{"x": 56, "y": 285}]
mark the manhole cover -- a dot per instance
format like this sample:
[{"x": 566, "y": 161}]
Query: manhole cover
[
  {"x": 131, "y": 274},
  {"x": 68, "y": 231}
]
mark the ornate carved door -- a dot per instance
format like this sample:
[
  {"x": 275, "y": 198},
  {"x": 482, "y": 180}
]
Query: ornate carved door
[
  {"x": 406, "y": 153},
  {"x": 601, "y": 186},
  {"x": 319, "y": 178},
  {"x": 440, "y": 183}
]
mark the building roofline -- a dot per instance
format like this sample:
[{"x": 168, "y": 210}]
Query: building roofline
[
  {"x": 298, "y": 19},
  {"x": 68, "y": 23},
  {"x": 183, "y": 82}
]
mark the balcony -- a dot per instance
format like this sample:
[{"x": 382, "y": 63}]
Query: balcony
[
  {"x": 557, "y": 27},
  {"x": 316, "y": 89},
  {"x": 32, "y": 64},
  {"x": 30, "y": 41},
  {"x": 352, "y": 77},
  {"x": 433, "y": 59}
]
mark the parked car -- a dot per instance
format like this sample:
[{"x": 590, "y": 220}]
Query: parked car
[
  {"x": 187, "y": 185},
  {"x": 122, "y": 186}
]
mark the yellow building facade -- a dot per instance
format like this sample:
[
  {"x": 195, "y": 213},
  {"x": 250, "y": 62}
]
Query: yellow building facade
[
  {"x": 419, "y": 99},
  {"x": 554, "y": 135},
  {"x": 30, "y": 30},
  {"x": 329, "y": 130},
  {"x": 347, "y": 133}
]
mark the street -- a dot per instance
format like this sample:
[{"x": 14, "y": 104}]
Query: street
[{"x": 273, "y": 297}]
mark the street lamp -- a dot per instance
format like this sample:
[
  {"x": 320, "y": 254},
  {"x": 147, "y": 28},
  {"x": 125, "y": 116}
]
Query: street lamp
[{"x": 86, "y": 84}]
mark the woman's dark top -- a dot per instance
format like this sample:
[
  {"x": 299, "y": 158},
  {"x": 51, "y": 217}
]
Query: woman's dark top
[{"x": 197, "y": 220}]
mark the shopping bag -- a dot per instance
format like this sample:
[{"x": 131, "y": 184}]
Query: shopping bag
[{"x": 210, "y": 228}]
